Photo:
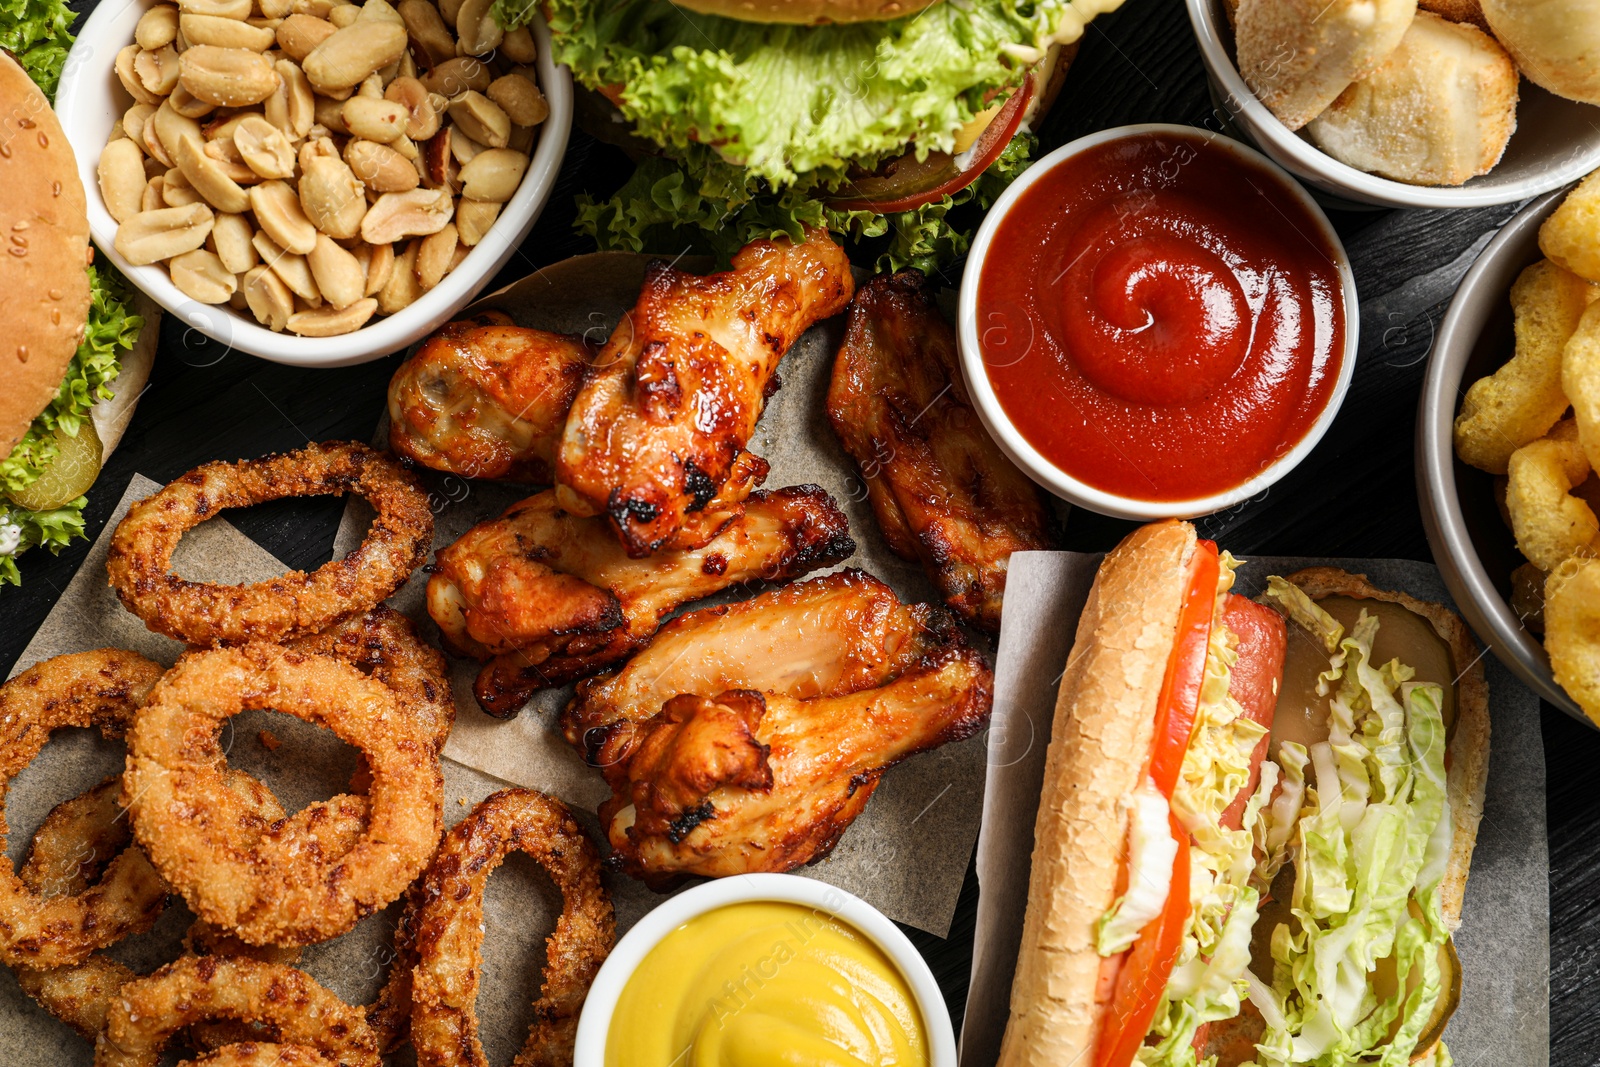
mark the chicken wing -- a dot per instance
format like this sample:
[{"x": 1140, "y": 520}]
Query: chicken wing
[
  {"x": 676, "y": 391},
  {"x": 741, "y": 782},
  {"x": 552, "y": 597},
  {"x": 484, "y": 398},
  {"x": 943, "y": 492},
  {"x": 825, "y": 637}
]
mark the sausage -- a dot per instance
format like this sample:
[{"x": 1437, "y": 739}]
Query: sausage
[{"x": 1263, "y": 639}]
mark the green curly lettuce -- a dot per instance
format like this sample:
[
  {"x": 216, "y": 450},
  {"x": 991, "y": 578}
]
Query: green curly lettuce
[
  {"x": 712, "y": 206},
  {"x": 36, "y": 33}
]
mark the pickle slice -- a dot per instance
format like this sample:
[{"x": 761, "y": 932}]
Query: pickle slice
[
  {"x": 68, "y": 476},
  {"x": 1445, "y": 1007}
]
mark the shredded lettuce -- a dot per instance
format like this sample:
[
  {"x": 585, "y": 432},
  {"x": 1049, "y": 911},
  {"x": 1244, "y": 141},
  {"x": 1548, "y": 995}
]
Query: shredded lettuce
[
  {"x": 1151, "y": 852},
  {"x": 35, "y": 32}
]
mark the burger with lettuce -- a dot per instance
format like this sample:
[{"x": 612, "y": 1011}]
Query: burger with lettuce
[
  {"x": 879, "y": 119},
  {"x": 71, "y": 361}
]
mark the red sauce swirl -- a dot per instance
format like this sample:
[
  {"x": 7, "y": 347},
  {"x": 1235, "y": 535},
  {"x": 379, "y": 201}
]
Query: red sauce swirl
[{"x": 1160, "y": 318}]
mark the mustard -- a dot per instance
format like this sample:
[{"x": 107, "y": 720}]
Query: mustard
[{"x": 766, "y": 984}]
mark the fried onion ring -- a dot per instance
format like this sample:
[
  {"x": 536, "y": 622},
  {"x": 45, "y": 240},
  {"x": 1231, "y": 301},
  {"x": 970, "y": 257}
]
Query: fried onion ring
[
  {"x": 148, "y": 1012},
  {"x": 384, "y": 644},
  {"x": 1550, "y": 522},
  {"x": 261, "y": 1054},
  {"x": 293, "y": 605},
  {"x": 1572, "y": 631},
  {"x": 303, "y": 880},
  {"x": 448, "y": 929},
  {"x": 101, "y": 689}
]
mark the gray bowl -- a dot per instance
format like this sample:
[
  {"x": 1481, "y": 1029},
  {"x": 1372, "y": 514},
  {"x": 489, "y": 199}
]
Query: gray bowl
[{"x": 1471, "y": 545}]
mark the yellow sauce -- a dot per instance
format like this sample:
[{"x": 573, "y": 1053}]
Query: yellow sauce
[{"x": 766, "y": 984}]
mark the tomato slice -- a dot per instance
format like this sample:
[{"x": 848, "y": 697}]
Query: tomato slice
[
  {"x": 984, "y": 151},
  {"x": 1148, "y": 966},
  {"x": 1180, "y": 691}
]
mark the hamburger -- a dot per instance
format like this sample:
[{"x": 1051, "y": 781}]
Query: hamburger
[
  {"x": 1257, "y": 822},
  {"x": 878, "y": 119},
  {"x": 71, "y": 328}
]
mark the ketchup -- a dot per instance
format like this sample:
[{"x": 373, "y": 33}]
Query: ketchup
[{"x": 1160, "y": 318}]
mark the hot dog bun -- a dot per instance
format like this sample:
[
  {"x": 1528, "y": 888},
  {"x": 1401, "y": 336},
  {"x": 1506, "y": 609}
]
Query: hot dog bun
[{"x": 1104, "y": 719}]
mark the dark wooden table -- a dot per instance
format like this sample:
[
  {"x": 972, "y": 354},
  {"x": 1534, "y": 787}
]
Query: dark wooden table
[{"x": 1354, "y": 496}]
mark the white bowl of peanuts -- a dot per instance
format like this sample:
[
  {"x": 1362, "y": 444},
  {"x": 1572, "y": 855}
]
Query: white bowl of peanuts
[{"x": 317, "y": 182}]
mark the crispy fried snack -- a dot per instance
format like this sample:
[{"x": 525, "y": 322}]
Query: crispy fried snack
[
  {"x": 253, "y": 1054},
  {"x": 1551, "y": 524},
  {"x": 1580, "y": 380},
  {"x": 148, "y": 1012},
  {"x": 100, "y": 689},
  {"x": 292, "y": 884},
  {"x": 828, "y": 636},
  {"x": 485, "y": 398},
  {"x": 943, "y": 492},
  {"x": 448, "y": 930},
  {"x": 1571, "y": 235},
  {"x": 1572, "y": 630},
  {"x": 296, "y": 604},
  {"x": 742, "y": 783},
  {"x": 550, "y": 597},
  {"x": 385, "y": 645},
  {"x": 1521, "y": 401},
  {"x": 675, "y": 393}
]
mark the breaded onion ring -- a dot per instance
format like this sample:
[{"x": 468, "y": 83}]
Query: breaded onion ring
[
  {"x": 1572, "y": 631},
  {"x": 102, "y": 689},
  {"x": 196, "y": 989},
  {"x": 1551, "y": 523},
  {"x": 448, "y": 928},
  {"x": 260, "y": 1054},
  {"x": 296, "y": 604},
  {"x": 302, "y": 881},
  {"x": 384, "y": 644}
]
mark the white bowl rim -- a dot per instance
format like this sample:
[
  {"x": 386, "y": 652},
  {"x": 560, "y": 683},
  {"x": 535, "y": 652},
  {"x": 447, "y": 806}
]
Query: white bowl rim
[
  {"x": 1443, "y": 520},
  {"x": 382, "y": 336},
  {"x": 1046, "y": 473},
  {"x": 595, "y": 1022},
  {"x": 1369, "y": 187}
]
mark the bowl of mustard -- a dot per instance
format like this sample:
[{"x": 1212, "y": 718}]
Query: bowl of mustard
[{"x": 765, "y": 969}]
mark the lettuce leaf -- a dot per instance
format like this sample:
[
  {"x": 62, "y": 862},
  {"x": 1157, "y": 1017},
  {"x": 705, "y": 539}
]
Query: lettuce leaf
[
  {"x": 35, "y": 32},
  {"x": 701, "y": 203}
]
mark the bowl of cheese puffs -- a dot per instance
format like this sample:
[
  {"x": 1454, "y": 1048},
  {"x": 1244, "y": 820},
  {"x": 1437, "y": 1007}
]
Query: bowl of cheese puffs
[
  {"x": 1508, "y": 443},
  {"x": 1388, "y": 103}
]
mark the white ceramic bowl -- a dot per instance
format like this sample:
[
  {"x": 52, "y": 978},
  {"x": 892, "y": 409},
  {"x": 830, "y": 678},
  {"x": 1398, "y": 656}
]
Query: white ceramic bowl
[
  {"x": 1474, "y": 550},
  {"x": 850, "y": 910},
  {"x": 1052, "y": 477},
  {"x": 1557, "y": 141},
  {"x": 91, "y": 100}
]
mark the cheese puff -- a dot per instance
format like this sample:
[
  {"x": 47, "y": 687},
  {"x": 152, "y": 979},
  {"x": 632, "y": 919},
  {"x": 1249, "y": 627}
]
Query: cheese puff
[
  {"x": 1580, "y": 380},
  {"x": 1572, "y": 631},
  {"x": 1571, "y": 236},
  {"x": 1551, "y": 524}
]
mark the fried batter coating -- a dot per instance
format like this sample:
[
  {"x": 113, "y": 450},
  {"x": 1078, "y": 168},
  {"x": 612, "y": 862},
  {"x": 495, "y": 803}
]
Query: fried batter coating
[
  {"x": 1580, "y": 379},
  {"x": 1571, "y": 235},
  {"x": 1521, "y": 401},
  {"x": 1572, "y": 631},
  {"x": 1551, "y": 524}
]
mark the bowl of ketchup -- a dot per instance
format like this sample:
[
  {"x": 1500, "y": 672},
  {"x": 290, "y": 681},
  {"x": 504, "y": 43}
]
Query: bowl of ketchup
[{"x": 1157, "y": 321}]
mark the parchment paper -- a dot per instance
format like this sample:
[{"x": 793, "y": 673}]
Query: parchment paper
[
  {"x": 908, "y": 852},
  {"x": 1504, "y": 940},
  {"x": 308, "y": 764}
]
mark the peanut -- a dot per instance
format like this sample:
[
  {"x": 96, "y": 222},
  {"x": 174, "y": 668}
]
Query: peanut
[
  {"x": 350, "y": 54},
  {"x": 208, "y": 178},
  {"x": 225, "y": 33},
  {"x": 375, "y": 120},
  {"x": 278, "y": 213},
  {"x": 292, "y": 269},
  {"x": 332, "y": 197},
  {"x": 380, "y": 10},
  {"x": 188, "y": 105},
  {"x": 227, "y": 77},
  {"x": 481, "y": 119},
  {"x": 428, "y": 30},
  {"x": 153, "y": 200},
  {"x": 330, "y": 114},
  {"x": 434, "y": 256},
  {"x": 410, "y": 214},
  {"x": 473, "y": 219},
  {"x": 157, "y": 70},
  {"x": 380, "y": 167},
  {"x": 226, "y": 153},
  {"x": 477, "y": 32},
  {"x": 152, "y": 236},
  {"x": 328, "y": 322},
  {"x": 520, "y": 99},
  {"x": 264, "y": 147},
  {"x": 337, "y": 273},
  {"x": 230, "y": 235},
  {"x": 227, "y": 9},
  {"x": 176, "y": 190},
  {"x": 149, "y": 137},
  {"x": 462, "y": 148},
  {"x": 518, "y": 45},
  {"x": 124, "y": 65},
  {"x": 423, "y": 120},
  {"x": 344, "y": 15},
  {"x": 293, "y": 108},
  {"x": 401, "y": 290},
  {"x": 268, "y": 298},
  {"x": 133, "y": 121},
  {"x": 201, "y": 276},
  {"x": 456, "y": 76},
  {"x": 493, "y": 175},
  {"x": 299, "y": 34},
  {"x": 380, "y": 265},
  {"x": 157, "y": 27},
  {"x": 121, "y": 176}
]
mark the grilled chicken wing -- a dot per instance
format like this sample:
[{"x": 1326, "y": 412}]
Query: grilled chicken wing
[
  {"x": 742, "y": 782},
  {"x": 942, "y": 490},
  {"x": 552, "y": 597},
  {"x": 825, "y": 637},
  {"x": 676, "y": 391},
  {"x": 484, "y": 398}
]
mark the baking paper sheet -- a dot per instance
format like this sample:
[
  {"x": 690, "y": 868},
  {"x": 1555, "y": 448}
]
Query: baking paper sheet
[
  {"x": 908, "y": 852},
  {"x": 1504, "y": 940}
]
